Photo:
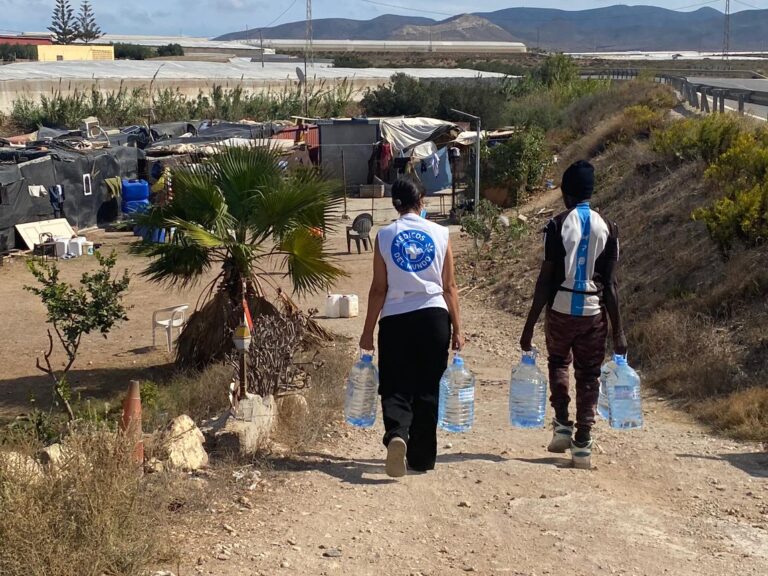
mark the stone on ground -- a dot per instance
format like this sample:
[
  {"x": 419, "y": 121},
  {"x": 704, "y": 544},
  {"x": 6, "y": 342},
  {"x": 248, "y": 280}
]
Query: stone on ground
[
  {"x": 248, "y": 433},
  {"x": 183, "y": 445}
]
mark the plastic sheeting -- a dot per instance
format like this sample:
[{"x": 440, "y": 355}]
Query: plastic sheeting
[
  {"x": 404, "y": 134},
  {"x": 67, "y": 169}
]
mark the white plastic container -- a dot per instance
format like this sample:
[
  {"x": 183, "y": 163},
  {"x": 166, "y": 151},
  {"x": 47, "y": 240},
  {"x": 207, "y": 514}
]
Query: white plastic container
[
  {"x": 349, "y": 306},
  {"x": 76, "y": 246},
  {"x": 62, "y": 245},
  {"x": 88, "y": 249},
  {"x": 332, "y": 305}
]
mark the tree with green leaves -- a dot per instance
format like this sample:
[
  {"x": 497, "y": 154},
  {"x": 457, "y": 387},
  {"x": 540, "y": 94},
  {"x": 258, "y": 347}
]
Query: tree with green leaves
[
  {"x": 243, "y": 213},
  {"x": 64, "y": 26},
  {"x": 86, "y": 22},
  {"x": 95, "y": 306}
]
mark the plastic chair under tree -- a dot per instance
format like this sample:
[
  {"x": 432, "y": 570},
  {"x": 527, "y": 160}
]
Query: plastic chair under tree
[
  {"x": 360, "y": 231},
  {"x": 168, "y": 319}
]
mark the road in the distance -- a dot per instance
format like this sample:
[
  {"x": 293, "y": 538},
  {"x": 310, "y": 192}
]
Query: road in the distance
[{"x": 752, "y": 85}]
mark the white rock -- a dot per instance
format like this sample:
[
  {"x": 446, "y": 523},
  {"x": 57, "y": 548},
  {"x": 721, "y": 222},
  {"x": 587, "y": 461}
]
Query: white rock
[
  {"x": 21, "y": 466},
  {"x": 183, "y": 445},
  {"x": 52, "y": 456},
  {"x": 249, "y": 433},
  {"x": 292, "y": 407}
]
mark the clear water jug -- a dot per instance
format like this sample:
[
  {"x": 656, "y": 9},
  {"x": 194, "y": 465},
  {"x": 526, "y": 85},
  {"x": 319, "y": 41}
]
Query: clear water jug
[
  {"x": 362, "y": 392},
  {"x": 623, "y": 387},
  {"x": 527, "y": 394},
  {"x": 603, "y": 406},
  {"x": 456, "y": 408}
]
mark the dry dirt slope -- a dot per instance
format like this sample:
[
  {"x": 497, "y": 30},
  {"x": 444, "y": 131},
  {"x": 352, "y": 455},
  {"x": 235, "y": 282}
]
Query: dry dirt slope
[{"x": 670, "y": 499}]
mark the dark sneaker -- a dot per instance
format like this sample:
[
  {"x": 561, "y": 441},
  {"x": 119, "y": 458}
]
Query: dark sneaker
[
  {"x": 581, "y": 453},
  {"x": 561, "y": 437},
  {"x": 396, "y": 450}
]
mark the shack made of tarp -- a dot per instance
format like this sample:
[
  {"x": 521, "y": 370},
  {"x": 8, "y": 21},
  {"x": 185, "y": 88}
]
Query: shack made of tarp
[
  {"x": 24, "y": 188},
  {"x": 407, "y": 134},
  {"x": 346, "y": 146}
]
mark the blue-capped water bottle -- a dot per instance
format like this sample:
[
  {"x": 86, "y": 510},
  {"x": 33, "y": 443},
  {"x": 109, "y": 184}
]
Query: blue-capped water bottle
[
  {"x": 362, "y": 392},
  {"x": 456, "y": 408},
  {"x": 527, "y": 394},
  {"x": 623, "y": 387}
]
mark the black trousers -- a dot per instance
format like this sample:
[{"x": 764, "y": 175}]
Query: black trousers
[{"x": 413, "y": 354}]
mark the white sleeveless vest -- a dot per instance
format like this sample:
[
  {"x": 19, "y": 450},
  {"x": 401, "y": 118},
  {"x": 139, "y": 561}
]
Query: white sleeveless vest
[{"x": 414, "y": 251}]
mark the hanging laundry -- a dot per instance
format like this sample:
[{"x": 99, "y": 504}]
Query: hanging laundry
[
  {"x": 37, "y": 191},
  {"x": 56, "y": 197},
  {"x": 434, "y": 162}
]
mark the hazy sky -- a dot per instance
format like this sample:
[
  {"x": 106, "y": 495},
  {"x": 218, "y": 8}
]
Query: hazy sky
[{"x": 214, "y": 17}]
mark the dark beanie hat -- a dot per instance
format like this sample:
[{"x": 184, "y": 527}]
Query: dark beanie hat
[{"x": 579, "y": 180}]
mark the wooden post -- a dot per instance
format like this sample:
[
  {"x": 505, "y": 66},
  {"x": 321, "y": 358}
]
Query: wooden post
[
  {"x": 344, "y": 216},
  {"x": 741, "y": 104},
  {"x": 722, "y": 102}
]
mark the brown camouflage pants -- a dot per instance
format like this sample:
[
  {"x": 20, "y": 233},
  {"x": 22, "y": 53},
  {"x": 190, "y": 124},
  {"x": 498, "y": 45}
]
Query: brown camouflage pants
[{"x": 579, "y": 340}]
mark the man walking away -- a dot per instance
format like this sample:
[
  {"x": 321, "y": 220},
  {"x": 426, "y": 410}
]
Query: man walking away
[{"x": 577, "y": 285}]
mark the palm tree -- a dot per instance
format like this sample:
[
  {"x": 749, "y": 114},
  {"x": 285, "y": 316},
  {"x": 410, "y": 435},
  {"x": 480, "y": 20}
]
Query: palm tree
[{"x": 242, "y": 212}]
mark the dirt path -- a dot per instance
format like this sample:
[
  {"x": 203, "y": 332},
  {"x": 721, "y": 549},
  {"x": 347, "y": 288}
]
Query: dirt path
[{"x": 670, "y": 499}]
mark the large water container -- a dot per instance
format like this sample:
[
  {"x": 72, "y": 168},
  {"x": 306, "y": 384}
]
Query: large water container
[
  {"x": 456, "y": 408},
  {"x": 527, "y": 394},
  {"x": 603, "y": 406},
  {"x": 623, "y": 387},
  {"x": 135, "y": 190},
  {"x": 362, "y": 393},
  {"x": 135, "y": 206}
]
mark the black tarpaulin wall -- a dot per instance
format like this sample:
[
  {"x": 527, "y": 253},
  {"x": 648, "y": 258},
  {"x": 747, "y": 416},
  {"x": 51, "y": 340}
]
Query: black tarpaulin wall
[{"x": 18, "y": 206}]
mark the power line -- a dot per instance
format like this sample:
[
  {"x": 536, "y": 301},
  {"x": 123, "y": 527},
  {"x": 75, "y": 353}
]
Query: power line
[
  {"x": 400, "y": 7},
  {"x": 283, "y": 13},
  {"x": 727, "y": 31}
]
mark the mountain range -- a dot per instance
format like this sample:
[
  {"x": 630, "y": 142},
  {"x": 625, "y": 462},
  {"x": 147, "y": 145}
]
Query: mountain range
[{"x": 613, "y": 28}]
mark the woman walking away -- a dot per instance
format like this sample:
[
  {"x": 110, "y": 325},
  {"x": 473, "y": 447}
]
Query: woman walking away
[{"x": 414, "y": 292}]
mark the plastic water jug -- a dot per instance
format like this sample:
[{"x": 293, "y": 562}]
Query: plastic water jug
[
  {"x": 527, "y": 394},
  {"x": 456, "y": 408},
  {"x": 332, "y": 304},
  {"x": 603, "y": 406},
  {"x": 623, "y": 387},
  {"x": 362, "y": 392},
  {"x": 349, "y": 306}
]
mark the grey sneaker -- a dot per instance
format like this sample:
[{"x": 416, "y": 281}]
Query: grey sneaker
[
  {"x": 396, "y": 457},
  {"x": 581, "y": 453},
  {"x": 561, "y": 437}
]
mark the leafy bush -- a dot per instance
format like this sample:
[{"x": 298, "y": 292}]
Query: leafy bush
[
  {"x": 133, "y": 52},
  {"x": 170, "y": 50},
  {"x": 403, "y": 96},
  {"x": 704, "y": 138},
  {"x": 351, "y": 61},
  {"x": 742, "y": 173},
  {"x": 12, "y": 52},
  {"x": 517, "y": 165}
]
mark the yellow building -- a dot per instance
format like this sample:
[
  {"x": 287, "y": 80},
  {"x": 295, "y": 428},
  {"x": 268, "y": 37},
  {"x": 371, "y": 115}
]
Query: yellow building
[{"x": 68, "y": 52}]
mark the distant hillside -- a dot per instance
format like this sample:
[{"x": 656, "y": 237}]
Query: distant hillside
[
  {"x": 614, "y": 28},
  {"x": 465, "y": 27}
]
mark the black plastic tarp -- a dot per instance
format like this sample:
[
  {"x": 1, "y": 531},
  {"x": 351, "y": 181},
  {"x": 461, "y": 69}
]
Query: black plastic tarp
[{"x": 18, "y": 205}]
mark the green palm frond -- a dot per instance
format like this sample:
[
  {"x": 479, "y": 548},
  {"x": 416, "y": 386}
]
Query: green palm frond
[
  {"x": 178, "y": 264},
  {"x": 307, "y": 264}
]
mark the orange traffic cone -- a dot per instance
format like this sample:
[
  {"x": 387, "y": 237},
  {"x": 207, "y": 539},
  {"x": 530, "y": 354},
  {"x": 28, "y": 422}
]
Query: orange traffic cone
[{"x": 131, "y": 421}]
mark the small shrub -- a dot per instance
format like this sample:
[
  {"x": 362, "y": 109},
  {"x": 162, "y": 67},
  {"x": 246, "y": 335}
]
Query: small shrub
[
  {"x": 94, "y": 515},
  {"x": 133, "y": 52},
  {"x": 704, "y": 138},
  {"x": 742, "y": 173},
  {"x": 351, "y": 61},
  {"x": 170, "y": 50}
]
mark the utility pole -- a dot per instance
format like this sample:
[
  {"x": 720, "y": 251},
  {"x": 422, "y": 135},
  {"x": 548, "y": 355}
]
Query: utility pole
[
  {"x": 477, "y": 153},
  {"x": 261, "y": 43},
  {"x": 727, "y": 32}
]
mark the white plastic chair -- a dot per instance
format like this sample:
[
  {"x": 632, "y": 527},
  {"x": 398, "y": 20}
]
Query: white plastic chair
[{"x": 175, "y": 317}]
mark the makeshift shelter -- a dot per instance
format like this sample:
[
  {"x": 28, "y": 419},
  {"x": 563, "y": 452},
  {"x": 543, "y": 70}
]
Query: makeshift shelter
[
  {"x": 346, "y": 145},
  {"x": 83, "y": 176}
]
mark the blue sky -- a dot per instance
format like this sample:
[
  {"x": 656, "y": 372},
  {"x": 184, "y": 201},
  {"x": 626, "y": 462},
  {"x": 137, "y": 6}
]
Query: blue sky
[{"x": 213, "y": 17}]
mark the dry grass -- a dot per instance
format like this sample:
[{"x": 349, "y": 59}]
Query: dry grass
[
  {"x": 742, "y": 414},
  {"x": 325, "y": 400},
  {"x": 94, "y": 515}
]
